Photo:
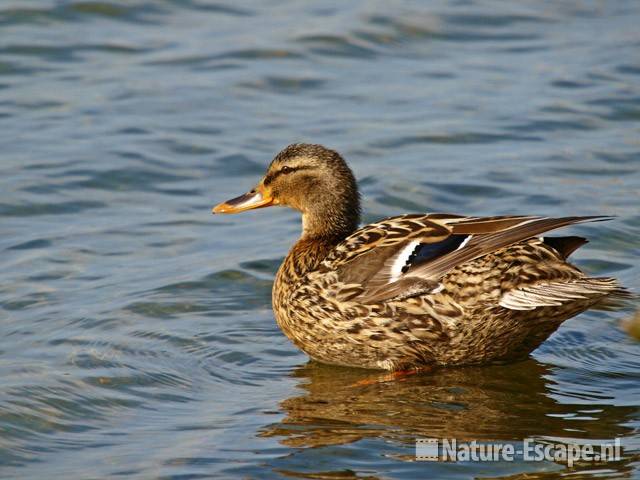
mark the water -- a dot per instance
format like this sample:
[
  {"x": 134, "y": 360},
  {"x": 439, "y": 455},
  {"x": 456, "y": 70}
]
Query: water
[{"x": 138, "y": 339}]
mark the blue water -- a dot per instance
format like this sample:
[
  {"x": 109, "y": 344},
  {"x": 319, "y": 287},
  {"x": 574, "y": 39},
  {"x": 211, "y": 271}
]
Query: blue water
[{"x": 137, "y": 334}]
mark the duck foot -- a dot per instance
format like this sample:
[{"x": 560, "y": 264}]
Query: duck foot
[{"x": 395, "y": 376}]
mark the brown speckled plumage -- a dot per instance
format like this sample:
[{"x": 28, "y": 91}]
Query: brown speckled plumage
[{"x": 416, "y": 289}]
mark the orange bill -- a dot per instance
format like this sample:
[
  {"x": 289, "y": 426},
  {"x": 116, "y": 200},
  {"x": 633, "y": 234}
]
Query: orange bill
[{"x": 256, "y": 198}]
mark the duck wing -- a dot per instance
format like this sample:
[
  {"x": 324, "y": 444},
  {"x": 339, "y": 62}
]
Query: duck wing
[{"x": 406, "y": 256}]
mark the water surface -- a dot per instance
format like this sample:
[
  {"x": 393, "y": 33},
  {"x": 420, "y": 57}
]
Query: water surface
[{"x": 138, "y": 338}]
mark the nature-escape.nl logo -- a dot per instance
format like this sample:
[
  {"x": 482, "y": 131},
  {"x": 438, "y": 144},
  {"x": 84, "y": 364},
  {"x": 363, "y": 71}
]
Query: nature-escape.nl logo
[{"x": 529, "y": 450}]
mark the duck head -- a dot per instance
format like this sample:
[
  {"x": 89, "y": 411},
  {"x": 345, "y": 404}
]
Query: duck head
[{"x": 312, "y": 179}]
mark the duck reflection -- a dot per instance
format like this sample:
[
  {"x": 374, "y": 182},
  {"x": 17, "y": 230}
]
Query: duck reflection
[{"x": 508, "y": 402}]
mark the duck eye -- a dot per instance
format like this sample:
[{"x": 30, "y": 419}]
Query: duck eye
[{"x": 286, "y": 169}]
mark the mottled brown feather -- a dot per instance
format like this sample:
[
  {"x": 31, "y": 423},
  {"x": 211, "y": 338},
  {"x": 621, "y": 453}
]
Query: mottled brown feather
[
  {"x": 341, "y": 297},
  {"x": 483, "y": 244}
]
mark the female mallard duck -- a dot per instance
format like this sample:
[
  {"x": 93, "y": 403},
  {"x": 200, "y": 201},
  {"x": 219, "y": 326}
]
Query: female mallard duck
[{"x": 418, "y": 289}]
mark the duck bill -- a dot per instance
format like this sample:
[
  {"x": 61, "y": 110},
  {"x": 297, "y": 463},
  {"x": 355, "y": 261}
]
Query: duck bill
[{"x": 256, "y": 198}]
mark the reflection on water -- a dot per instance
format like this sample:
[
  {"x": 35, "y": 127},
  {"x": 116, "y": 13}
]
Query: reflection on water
[
  {"x": 632, "y": 325},
  {"x": 137, "y": 334},
  {"x": 492, "y": 404}
]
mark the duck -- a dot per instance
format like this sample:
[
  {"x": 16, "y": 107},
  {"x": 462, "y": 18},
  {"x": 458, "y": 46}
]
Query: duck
[{"x": 416, "y": 290}]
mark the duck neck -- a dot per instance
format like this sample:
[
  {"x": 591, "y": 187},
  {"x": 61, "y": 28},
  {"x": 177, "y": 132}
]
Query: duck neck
[
  {"x": 322, "y": 229},
  {"x": 329, "y": 224}
]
